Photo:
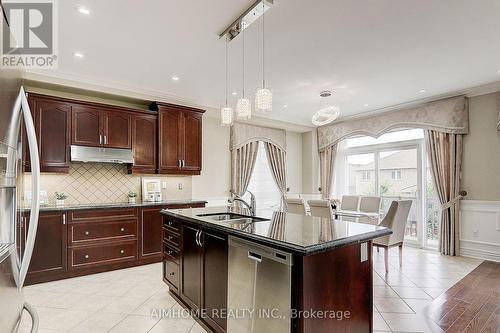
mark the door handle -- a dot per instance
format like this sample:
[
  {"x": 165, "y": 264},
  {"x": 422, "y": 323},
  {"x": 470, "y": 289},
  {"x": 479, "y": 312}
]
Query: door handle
[
  {"x": 254, "y": 256},
  {"x": 105, "y": 139}
]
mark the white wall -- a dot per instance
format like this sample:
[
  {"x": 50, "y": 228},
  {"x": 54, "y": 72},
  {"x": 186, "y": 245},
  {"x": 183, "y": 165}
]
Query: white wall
[
  {"x": 310, "y": 163},
  {"x": 480, "y": 212},
  {"x": 215, "y": 180}
]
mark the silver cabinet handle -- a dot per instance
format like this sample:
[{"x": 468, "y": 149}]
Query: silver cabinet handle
[
  {"x": 122, "y": 229},
  {"x": 170, "y": 252},
  {"x": 86, "y": 256},
  {"x": 87, "y": 233},
  {"x": 122, "y": 251},
  {"x": 179, "y": 163},
  {"x": 100, "y": 139},
  {"x": 183, "y": 163},
  {"x": 199, "y": 237},
  {"x": 197, "y": 241},
  {"x": 254, "y": 256},
  {"x": 105, "y": 139},
  {"x": 64, "y": 218}
]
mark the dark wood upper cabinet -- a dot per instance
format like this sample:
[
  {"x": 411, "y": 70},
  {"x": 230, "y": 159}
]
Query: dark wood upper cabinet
[
  {"x": 101, "y": 127},
  {"x": 52, "y": 121},
  {"x": 86, "y": 126},
  {"x": 117, "y": 129},
  {"x": 144, "y": 143},
  {"x": 180, "y": 131},
  {"x": 50, "y": 250}
]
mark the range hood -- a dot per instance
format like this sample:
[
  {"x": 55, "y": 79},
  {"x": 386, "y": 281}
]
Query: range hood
[{"x": 101, "y": 155}]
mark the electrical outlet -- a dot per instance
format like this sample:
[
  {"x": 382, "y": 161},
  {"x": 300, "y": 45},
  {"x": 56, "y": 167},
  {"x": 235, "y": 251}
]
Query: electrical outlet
[
  {"x": 475, "y": 233},
  {"x": 179, "y": 186},
  {"x": 164, "y": 185}
]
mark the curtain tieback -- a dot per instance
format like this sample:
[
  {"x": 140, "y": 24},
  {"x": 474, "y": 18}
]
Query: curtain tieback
[{"x": 451, "y": 202}]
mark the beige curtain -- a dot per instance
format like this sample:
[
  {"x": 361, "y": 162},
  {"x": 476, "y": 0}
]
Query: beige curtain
[
  {"x": 242, "y": 165},
  {"x": 277, "y": 161},
  {"x": 327, "y": 166},
  {"x": 445, "y": 156}
]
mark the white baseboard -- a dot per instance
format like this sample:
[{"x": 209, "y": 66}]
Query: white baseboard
[{"x": 480, "y": 229}]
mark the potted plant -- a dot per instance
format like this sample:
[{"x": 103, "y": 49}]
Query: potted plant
[
  {"x": 131, "y": 197},
  {"x": 60, "y": 197}
]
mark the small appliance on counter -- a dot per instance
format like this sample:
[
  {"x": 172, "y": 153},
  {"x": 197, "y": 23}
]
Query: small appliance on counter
[{"x": 151, "y": 189}]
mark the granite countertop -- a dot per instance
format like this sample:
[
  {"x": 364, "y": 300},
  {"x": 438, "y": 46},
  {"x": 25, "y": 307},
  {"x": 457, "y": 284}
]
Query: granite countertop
[
  {"x": 117, "y": 205},
  {"x": 298, "y": 234}
]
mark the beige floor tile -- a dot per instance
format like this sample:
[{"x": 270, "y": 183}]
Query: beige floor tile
[
  {"x": 418, "y": 305},
  {"x": 155, "y": 305},
  {"x": 124, "y": 305},
  {"x": 395, "y": 305},
  {"x": 434, "y": 292},
  {"x": 134, "y": 324},
  {"x": 60, "y": 319},
  {"x": 197, "y": 329},
  {"x": 384, "y": 292},
  {"x": 177, "y": 325},
  {"x": 98, "y": 322},
  {"x": 411, "y": 292},
  {"x": 409, "y": 323},
  {"x": 379, "y": 323}
]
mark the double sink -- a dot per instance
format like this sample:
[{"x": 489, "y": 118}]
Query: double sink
[{"x": 232, "y": 218}]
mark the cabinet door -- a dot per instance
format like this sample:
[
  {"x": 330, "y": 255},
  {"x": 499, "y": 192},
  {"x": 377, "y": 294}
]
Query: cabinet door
[
  {"x": 169, "y": 144},
  {"x": 86, "y": 126},
  {"x": 52, "y": 125},
  {"x": 191, "y": 268},
  {"x": 117, "y": 129},
  {"x": 215, "y": 278},
  {"x": 49, "y": 254},
  {"x": 192, "y": 142},
  {"x": 151, "y": 222},
  {"x": 144, "y": 143}
]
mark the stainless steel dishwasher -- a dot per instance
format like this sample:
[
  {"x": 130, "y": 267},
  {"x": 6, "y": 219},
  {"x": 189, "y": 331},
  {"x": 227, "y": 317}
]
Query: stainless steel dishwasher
[{"x": 259, "y": 288}]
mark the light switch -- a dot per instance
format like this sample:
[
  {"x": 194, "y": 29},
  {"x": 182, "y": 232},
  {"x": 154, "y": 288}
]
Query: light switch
[
  {"x": 164, "y": 185},
  {"x": 364, "y": 252},
  {"x": 179, "y": 186}
]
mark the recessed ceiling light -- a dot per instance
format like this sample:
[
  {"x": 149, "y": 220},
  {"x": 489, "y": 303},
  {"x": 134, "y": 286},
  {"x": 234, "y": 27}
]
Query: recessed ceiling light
[
  {"x": 423, "y": 90},
  {"x": 285, "y": 106},
  {"x": 175, "y": 78},
  {"x": 499, "y": 71},
  {"x": 366, "y": 105},
  {"x": 83, "y": 10},
  {"x": 78, "y": 55},
  {"x": 234, "y": 93}
]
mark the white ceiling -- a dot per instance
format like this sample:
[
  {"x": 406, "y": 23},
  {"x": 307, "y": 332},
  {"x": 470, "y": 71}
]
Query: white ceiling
[{"x": 379, "y": 53}]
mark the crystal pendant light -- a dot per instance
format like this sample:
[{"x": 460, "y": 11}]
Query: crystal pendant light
[
  {"x": 243, "y": 106},
  {"x": 325, "y": 115},
  {"x": 264, "y": 96},
  {"x": 226, "y": 112}
]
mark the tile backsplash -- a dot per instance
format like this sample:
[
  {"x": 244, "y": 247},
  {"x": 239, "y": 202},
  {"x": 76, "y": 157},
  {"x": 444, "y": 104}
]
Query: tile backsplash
[{"x": 88, "y": 183}]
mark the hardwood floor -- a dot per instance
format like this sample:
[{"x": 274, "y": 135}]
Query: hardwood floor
[{"x": 471, "y": 305}]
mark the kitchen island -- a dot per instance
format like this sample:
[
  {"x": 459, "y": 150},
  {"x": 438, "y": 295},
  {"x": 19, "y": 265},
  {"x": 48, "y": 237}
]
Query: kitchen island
[{"x": 279, "y": 273}]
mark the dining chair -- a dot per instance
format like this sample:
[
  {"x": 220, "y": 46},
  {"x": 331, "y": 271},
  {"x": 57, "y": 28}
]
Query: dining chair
[
  {"x": 321, "y": 208},
  {"x": 396, "y": 219},
  {"x": 349, "y": 202},
  {"x": 296, "y": 206},
  {"x": 370, "y": 204}
]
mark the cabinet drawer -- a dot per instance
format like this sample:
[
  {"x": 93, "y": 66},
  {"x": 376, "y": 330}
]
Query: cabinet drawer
[
  {"x": 85, "y": 256},
  {"x": 171, "y": 225},
  {"x": 103, "y": 215},
  {"x": 98, "y": 231},
  {"x": 171, "y": 274},
  {"x": 171, "y": 238},
  {"x": 170, "y": 253}
]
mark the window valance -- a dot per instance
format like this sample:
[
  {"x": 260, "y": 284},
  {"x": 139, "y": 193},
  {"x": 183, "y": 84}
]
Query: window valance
[
  {"x": 242, "y": 134},
  {"x": 449, "y": 115}
]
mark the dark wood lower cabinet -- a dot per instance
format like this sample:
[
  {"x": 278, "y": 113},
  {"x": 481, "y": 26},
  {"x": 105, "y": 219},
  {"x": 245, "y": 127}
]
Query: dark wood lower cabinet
[
  {"x": 50, "y": 249},
  {"x": 80, "y": 242},
  {"x": 201, "y": 282}
]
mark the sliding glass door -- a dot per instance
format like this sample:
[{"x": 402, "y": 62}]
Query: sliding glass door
[{"x": 395, "y": 167}]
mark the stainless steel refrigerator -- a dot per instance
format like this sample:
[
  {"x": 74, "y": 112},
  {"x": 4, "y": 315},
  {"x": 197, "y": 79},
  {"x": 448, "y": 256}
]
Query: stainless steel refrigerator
[{"x": 14, "y": 258}]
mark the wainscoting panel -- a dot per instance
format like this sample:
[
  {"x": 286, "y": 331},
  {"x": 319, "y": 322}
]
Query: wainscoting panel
[{"x": 480, "y": 229}]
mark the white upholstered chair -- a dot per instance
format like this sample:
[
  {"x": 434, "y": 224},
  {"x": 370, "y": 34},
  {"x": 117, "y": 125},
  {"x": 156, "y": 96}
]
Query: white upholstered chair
[
  {"x": 321, "y": 208},
  {"x": 395, "y": 220},
  {"x": 296, "y": 206},
  {"x": 370, "y": 204},
  {"x": 349, "y": 202}
]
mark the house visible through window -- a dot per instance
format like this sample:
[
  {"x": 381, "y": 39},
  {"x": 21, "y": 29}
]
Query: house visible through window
[
  {"x": 396, "y": 175},
  {"x": 365, "y": 176}
]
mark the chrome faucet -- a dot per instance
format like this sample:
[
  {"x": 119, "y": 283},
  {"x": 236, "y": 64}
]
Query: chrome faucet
[{"x": 252, "y": 207}]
